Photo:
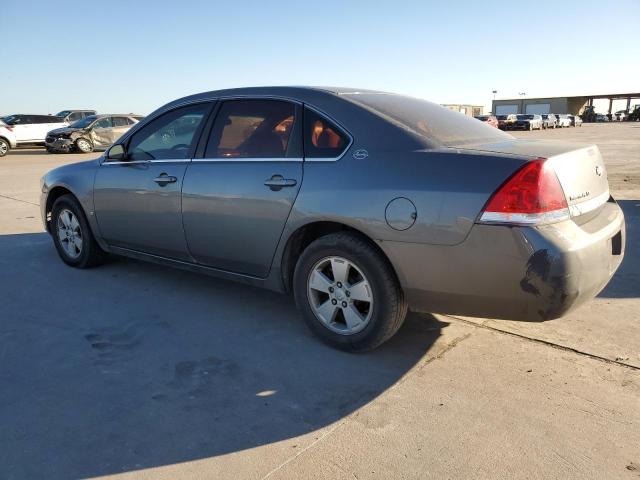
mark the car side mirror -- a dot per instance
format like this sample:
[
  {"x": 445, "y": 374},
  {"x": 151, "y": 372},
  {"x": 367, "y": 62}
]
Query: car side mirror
[{"x": 117, "y": 152}]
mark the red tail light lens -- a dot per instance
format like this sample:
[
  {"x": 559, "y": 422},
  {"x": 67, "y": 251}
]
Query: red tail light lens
[{"x": 532, "y": 196}]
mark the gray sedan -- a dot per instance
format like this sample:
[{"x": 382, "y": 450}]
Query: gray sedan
[{"x": 362, "y": 204}]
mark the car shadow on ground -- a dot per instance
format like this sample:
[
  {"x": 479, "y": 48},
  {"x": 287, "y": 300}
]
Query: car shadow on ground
[
  {"x": 626, "y": 281},
  {"x": 133, "y": 365}
]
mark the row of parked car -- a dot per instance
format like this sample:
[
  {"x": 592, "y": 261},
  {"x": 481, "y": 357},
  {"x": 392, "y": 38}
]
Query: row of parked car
[
  {"x": 68, "y": 131},
  {"x": 514, "y": 121}
]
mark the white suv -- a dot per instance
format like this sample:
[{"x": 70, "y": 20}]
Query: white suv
[{"x": 29, "y": 129}]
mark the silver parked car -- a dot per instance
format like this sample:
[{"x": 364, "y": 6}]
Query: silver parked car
[
  {"x": 362, "y": 204},
  {"x": 94, "y": 132}
]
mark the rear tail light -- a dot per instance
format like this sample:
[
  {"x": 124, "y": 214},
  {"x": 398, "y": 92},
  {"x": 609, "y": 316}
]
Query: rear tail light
[{"x": 532, "y": 196}]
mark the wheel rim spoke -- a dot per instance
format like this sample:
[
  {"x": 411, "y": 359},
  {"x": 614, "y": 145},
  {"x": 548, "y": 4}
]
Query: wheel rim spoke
[
  {"x": 327, "y": 311},
  {"x": 340, "y": 269},
  {"x": 64, "y": 217},
  {"x": 77, "y": 242},
  {"x": 74, "y": 223},
  {"x": 319, "y": 281},
  {"x": 360, "y": 291},
  {"x": 62, "y": 236},
  {"x": 352, "y": 317},
  {"x": 70, "y": 247}
]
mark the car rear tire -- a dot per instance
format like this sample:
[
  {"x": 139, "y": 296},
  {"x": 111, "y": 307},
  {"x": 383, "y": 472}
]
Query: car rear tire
[
  {"x": 72, "y": 236},
  {"x": 84, "y": 146},
  {"x": 348, "y": 292},
  {"x": 4, "y": 147}
]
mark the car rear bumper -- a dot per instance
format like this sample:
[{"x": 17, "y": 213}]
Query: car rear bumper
[{"x": 517, "y": 273}]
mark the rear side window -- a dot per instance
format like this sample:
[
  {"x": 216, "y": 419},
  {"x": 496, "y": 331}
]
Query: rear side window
[
  {"x": 120, "y": 121},
  {"x": 322, "y": 137},
  {"x": 436, "y": 124},
  {"x": 168, "y": 137},
  {"x": 252, "y": 129},
  {"x": 48, "y": 119}
]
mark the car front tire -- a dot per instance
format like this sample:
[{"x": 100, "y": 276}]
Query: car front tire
[
  {"x": 84, "y": 146},
  {"x": 72, "y": 236},
  {"x": 348, "y": 292}
]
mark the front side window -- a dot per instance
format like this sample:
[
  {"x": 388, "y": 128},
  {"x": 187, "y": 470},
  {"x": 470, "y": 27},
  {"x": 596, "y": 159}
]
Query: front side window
[
  {"x": 252, "y": 129},
  {"x": 104, "y": 122},
  {"x": 322, "y": 138},
  {"x": 169, "y": 136}
]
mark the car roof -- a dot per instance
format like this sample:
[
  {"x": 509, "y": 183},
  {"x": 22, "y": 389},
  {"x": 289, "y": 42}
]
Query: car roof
[
  {"x": 296, "y": 92},
  {"x": 102, "y": 115}
]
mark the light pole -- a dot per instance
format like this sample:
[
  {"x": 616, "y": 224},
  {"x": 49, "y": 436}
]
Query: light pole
[
  {"x": 522, "y": 95},
  {"x": 493, "y": 105}
]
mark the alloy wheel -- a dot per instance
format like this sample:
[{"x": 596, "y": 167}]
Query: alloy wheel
[
  {"x": 340, "y": 295},
  {"x": 69, "y": 233},
  {"x": 84, "y": 145}
]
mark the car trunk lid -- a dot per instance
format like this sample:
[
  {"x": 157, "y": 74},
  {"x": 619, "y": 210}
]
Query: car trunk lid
[{"x": 579, "y": 168}]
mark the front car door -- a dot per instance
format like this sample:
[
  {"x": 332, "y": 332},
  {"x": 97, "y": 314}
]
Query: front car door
[
  {"x": 138, "y": 200},
  {"x": 23, "y": 127},
  {"x": 237, "y": 197}
]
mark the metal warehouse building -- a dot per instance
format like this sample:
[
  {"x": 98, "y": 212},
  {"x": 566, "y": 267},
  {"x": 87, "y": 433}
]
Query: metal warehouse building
[
  {"x": 470, "y": 110},
  {"x": 570, "y": 105}
]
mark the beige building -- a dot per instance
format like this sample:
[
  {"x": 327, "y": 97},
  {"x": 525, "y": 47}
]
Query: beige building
[{"x": 471, "y": 110}]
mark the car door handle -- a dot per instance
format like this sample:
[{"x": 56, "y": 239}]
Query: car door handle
[
  {"x": 276, "y": 182},
  {"x": 164, "y": 179}
]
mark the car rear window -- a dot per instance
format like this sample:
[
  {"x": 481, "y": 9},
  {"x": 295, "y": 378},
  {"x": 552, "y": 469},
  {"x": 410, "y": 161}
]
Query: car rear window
[{"x": 436, "y": 124}]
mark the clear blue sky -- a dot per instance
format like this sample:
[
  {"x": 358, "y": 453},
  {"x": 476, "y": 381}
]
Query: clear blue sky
[{"x": 134, "y": 55}]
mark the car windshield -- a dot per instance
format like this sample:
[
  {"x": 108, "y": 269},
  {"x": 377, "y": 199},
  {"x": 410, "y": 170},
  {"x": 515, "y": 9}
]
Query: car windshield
[
  {"x": 84, "y": 122},
  {"x": 10, "y": 119},
  {"x": 525, "y": 117},
  {"x": 484, "y": 118},
  {"x": 63, "y": 113},
  {"x": 428, "y": 120}
]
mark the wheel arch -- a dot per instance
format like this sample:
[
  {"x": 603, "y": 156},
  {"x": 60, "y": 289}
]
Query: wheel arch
[
  {"x": 55, "y": 193},
  {"x": 304, "y": 235}
]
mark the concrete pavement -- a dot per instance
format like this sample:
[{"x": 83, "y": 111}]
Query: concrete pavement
[{"x": 139, "y": 371}]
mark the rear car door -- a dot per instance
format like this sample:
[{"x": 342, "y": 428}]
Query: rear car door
[
  {"x": 101, "y": 132},
  {"x": 120, "y": 126},
  {"x": 237, "y": 197},
  {"x": 138, "y": 200}
]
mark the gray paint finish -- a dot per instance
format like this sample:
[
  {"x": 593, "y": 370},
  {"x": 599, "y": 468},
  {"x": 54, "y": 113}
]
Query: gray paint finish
[
  {"x": 232, "y": 221},
  {"x": 135, "y": 212}
]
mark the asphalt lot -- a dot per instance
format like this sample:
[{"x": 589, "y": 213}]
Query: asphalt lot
[{"x": 135, "y": 370}]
